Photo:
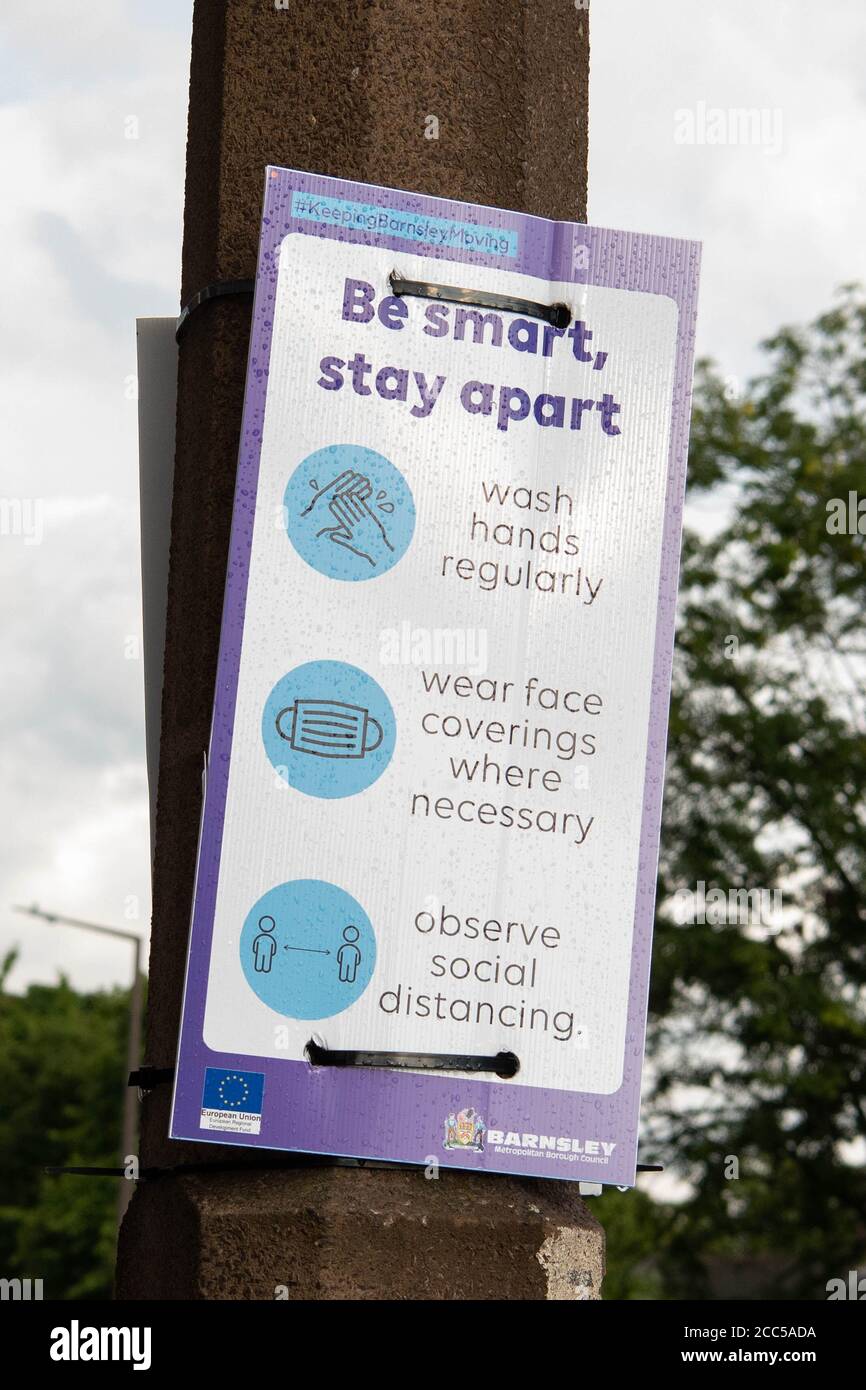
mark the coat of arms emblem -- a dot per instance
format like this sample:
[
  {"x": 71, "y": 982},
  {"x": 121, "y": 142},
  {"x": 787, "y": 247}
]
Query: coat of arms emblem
[{"x": 465, "y": 1130}]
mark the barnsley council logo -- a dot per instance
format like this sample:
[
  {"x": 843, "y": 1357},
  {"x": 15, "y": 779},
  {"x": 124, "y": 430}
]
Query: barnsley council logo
[{"x": 465, "y": 1131}]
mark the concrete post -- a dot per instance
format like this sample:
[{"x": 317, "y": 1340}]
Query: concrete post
[{"x": 478, "y": 99}]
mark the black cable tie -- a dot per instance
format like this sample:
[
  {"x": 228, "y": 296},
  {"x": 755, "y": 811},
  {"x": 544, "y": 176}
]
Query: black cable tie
[
  {"x": 214, "y": 291},
  {"x": 54, "y": 1171},
  {"x": 280, "y": 1159},
  {"x": 148, "y": 1077},
  {"x": 559, "y": 315},
  {"x": 504, "y": 1064}
]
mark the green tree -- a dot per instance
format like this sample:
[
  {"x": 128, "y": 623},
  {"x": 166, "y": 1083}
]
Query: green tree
[
  {"x": 758, "y": 1039},
  {"x": 61, "y": 1072}
]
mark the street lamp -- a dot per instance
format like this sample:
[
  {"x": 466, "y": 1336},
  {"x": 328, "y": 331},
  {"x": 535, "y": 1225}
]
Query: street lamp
[{"x": 133, "y": 1040}]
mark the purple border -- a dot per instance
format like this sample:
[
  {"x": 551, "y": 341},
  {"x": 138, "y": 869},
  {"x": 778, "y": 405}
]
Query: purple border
[{"x": 389, "y": 1115}]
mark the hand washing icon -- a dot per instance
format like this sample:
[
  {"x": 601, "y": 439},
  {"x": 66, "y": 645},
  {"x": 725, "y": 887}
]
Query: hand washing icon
[
  {"x": 355, "y": 523},
  {"x": 349, "y": 512},
  {"x": 329, "y": 729}
]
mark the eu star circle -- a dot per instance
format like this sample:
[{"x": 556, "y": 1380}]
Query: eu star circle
[{"x": 233, "y": 1091}]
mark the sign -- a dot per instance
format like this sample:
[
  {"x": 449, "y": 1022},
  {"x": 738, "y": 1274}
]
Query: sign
[{"x": 433, "y": 793}]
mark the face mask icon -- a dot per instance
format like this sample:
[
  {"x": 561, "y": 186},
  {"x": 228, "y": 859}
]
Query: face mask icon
[{"x": 329, "y": 729}]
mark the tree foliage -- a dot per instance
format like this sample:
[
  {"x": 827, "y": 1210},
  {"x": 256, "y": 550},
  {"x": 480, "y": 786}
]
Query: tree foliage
[
  {"x": 62, "y": 1058},
  {"x": 758, "y": 1039}
]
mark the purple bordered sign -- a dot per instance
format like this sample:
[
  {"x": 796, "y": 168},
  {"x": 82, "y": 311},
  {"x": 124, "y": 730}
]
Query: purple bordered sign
[{"x": 434, "y": 784}]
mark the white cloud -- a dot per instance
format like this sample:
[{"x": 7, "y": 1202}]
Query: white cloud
[
  {"x": 72, "y": 761},
  {"x": 91, "y": 222},
  {"x": 780, "y": 231}
]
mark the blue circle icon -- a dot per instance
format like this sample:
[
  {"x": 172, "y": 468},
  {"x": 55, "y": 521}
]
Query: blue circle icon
[
  {"x": 349, "y": 512},
  {"x": 329, "y": 729},
  {"x": 308, "y": 949}
]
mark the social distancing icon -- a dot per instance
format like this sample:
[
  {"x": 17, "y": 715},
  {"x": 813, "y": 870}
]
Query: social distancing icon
[{"x": 308, "y": 949}]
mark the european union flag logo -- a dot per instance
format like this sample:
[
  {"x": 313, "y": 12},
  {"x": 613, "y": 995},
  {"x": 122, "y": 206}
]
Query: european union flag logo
[{"x": 225, "y": 1089}]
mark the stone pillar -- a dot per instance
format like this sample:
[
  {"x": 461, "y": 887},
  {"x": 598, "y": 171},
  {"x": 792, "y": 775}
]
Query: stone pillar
[{"x": 356, "y": 89}]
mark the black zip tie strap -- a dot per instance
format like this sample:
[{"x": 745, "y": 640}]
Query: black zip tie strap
[
  {"x": 276, "y": 1159},
  {"x": 214, "y": 291},
  {"x": 559, "y": 315},
  {"x": 504, "y": 1064},
  {"x": 279, "y": 1159},
  {"x": 148, "y": 1077}
]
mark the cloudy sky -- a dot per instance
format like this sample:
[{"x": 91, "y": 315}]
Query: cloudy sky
[{"x": 92, "y": 131}]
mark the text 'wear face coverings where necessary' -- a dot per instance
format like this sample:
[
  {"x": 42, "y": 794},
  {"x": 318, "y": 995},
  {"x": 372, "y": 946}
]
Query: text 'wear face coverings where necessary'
[{"x": 434, "y": 783}]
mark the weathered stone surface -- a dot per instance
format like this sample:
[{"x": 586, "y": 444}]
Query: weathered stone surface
[{"x": 352, "y": 1233}]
